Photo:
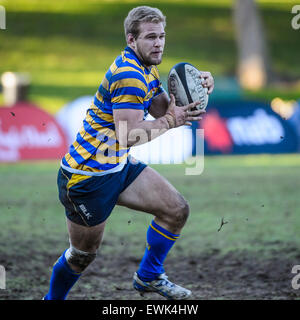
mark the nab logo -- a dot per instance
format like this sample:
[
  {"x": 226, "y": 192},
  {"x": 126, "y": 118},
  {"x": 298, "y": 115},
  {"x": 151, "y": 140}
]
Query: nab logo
[{"x": 2, "y": 18}]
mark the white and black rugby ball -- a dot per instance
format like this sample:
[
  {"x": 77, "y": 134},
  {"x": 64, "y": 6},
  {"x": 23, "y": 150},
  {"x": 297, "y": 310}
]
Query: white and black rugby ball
[{"x": 186, "y": 85}]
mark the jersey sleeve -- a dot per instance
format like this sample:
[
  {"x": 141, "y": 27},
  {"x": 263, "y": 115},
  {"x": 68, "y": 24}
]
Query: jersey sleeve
[
  {"x": 128, "y": 88},
  {"x": 159, "y": 90}
]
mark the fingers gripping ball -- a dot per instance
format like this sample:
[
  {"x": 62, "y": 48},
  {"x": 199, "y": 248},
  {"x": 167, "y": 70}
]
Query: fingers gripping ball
[{"x": 185, "y": 84}]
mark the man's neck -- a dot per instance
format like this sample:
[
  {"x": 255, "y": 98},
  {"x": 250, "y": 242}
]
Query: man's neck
[{"x": 139, "y": 58}]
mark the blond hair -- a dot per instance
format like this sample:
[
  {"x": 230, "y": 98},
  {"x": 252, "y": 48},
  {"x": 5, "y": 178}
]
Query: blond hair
[{"x": 141, "y": 14}]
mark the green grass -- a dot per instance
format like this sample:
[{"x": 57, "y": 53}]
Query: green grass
[
  {"x": 66, "y": 46},
  {"x": 257, "y": 195}
]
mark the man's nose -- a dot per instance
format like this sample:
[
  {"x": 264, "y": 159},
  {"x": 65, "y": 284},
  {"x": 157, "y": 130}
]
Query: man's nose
[{"x": 157, "y": 42}]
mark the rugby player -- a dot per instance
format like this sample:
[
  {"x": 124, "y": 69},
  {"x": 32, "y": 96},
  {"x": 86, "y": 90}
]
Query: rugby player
[{"x": 97, "y": 173}]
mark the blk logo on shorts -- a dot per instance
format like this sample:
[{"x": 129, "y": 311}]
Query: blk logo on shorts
[{"x": 85, "y": 211}]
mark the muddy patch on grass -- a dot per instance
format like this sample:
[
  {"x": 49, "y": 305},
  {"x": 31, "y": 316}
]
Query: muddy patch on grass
[{"x": 210, "y": 275}]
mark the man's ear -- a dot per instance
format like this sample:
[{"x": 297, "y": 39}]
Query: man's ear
[{"x": 131, "y": 40}]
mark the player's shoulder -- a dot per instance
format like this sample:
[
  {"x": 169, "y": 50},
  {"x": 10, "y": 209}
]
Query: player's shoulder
[{"x": 127, "y": 70}]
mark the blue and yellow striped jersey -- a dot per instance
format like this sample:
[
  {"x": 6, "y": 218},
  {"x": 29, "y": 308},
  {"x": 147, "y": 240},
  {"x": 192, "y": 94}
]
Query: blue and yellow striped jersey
[{"x": 128, "y": 84}]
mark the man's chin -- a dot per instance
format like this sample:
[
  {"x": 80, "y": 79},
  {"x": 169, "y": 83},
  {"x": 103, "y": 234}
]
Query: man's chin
[{"x": 155, "y": 62}]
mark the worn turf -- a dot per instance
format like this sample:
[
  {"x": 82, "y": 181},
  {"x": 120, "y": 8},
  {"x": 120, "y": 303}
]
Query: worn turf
[{"x": 249, "y": 256}]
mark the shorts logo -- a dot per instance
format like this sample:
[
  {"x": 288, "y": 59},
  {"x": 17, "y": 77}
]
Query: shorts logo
[{"x": 84, "y": 211}]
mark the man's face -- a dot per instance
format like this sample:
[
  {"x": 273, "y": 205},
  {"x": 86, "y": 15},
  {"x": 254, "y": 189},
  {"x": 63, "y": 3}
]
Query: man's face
[{"x": 149, "y": 45}]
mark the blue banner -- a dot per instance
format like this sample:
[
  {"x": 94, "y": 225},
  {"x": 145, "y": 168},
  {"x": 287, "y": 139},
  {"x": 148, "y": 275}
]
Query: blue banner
[{"x": 244, "y": 127}]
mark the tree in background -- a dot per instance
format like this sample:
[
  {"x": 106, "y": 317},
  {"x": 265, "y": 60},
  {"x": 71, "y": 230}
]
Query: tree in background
[{"x": 254, "y": 70}]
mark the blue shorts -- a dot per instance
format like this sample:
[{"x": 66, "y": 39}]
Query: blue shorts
[{"x": 89, "y": 200}]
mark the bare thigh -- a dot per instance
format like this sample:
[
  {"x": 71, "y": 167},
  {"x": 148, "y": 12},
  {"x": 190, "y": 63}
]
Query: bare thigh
[
  {"x": 86, "y": 239},
  {"x": 152, "y": 193}
]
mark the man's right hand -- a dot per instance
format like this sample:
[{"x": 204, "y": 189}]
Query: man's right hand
[{"x": 178, "y": 116}]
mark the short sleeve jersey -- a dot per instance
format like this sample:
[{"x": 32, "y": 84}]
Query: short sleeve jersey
[{"x": 127, "y": 84}]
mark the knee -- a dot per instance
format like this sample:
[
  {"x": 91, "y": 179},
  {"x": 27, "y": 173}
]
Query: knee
[
  {"x": 182, "y": 212},
  {"x": 79, "y": 260},
  {"x": 179, "y": 213}
]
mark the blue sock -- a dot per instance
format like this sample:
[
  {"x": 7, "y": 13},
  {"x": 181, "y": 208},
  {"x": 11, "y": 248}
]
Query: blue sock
[
  {"x": 62, "y": 279},
  {"x": 159, "y": 241}
]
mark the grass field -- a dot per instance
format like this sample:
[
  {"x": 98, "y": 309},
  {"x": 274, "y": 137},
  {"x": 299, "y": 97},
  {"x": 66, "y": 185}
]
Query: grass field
[
  {"x": 66, "y": 47},
  {"x": 251, "y": 257}
]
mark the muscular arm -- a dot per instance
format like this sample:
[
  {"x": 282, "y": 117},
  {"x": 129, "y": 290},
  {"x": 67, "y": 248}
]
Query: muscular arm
[
  {"x": 132, "y": 130},
  {"x": 159, "y": 105}
]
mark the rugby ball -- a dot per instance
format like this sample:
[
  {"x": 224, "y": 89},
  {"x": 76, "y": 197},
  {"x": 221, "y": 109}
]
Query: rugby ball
[{"x": 186, "y": 86}]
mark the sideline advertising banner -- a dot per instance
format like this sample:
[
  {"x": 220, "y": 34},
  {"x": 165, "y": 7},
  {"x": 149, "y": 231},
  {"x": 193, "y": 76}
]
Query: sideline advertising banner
[
  {"x": 29, "y": 133},
  {"x": 243, "y": 127},
  {"x": 230, "y": 127}
]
